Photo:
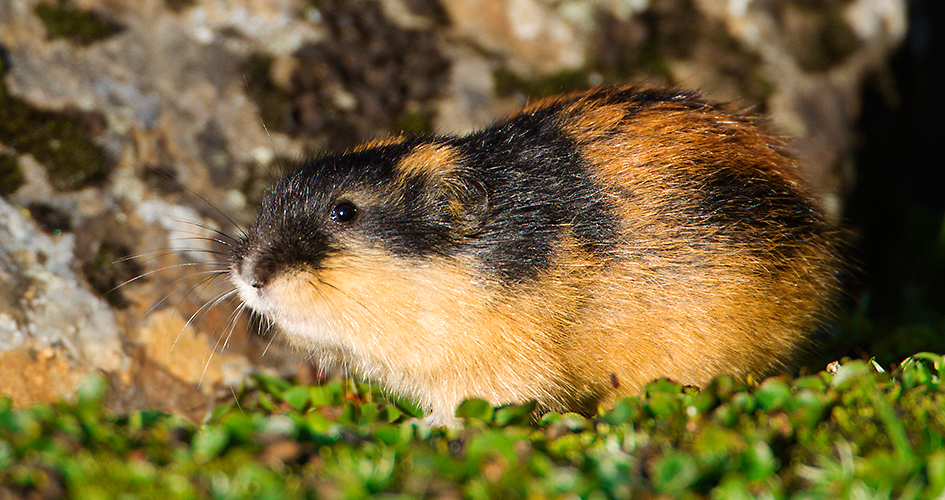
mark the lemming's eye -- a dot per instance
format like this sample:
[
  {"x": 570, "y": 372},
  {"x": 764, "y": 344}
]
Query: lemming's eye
[{"x": 344, "y": 212}]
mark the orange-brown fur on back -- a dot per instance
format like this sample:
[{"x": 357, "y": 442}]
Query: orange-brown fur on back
[{"x": 570, "y": 254}]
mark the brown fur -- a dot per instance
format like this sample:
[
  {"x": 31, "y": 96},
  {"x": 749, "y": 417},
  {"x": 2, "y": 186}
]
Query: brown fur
[
  {"x": 431, "y": 161},
  {"x": 377, "y": 143}
]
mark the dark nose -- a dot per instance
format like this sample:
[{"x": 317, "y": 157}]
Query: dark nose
[{"x": 255, "y": 272}]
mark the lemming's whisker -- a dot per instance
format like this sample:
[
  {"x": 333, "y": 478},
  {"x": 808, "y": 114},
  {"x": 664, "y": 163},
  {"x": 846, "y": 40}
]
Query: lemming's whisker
[
  {"x": 213, "y": 275},
  {"x": 146, "y": 257},
  {"x": 165, "y": 268},
  {"x": 199, "y": 250},
  {"x": 225, "y": 338},
  {"x": 346, "y": 294},
  {"x": 236, "y": 398},
  {"x": 231, "y": 324},
  {"x": 142, "y": 256},
  {"x": 265, "y": 128},
  {"x": 371, "y": 314},
  {"x": 152, "y": 256},
  {"x": 226, "y": 238},
  {"x": 206, "y": 307},
  {"x": 268, "y": 330},
  {"x": 205, "y": 200},
  {"x": 205, "y": 283},
  {"x": 211, "y": 205},
  {"x": 200, "y": 237}
]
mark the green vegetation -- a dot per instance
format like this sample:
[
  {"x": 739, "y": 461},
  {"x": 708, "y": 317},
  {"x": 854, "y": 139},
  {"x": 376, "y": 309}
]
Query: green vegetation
[
  {"x": 61, "y": 141},
  {"x": 11, "y": 177},
  {"x": 81, "y": 27},
  {"x": 507, "y": 83},
  {"x": 414, "y": 123},
  {"x": 857, "y": 433},
  {"x": 179, "y": 5}
]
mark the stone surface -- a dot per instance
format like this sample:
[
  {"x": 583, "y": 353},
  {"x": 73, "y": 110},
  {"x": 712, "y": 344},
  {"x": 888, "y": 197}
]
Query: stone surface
[
  {"x": 142, "y": 146},
  {"x": 45, "y": 304}
]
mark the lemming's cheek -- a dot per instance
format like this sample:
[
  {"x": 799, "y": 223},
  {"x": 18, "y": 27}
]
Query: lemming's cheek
[{"x": 299, "y": 306}]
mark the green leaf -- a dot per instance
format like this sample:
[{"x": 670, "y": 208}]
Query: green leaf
[
  {"x": 297, "y": 397},
  {"x": 674, "y": 472},
  {"x": 760, "y": 462},
  {"x": 322, "y": 395},
  {"x": 515, "y": 414},
  {"x": 92, "y": 389},
  {"x": 208, "y": 443},
  {"x": 478, "y": 409},
  {"x": 772, "y": 394}
]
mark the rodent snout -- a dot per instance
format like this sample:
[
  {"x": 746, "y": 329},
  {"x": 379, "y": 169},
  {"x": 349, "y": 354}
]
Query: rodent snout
[
  {"x": 278, "y": 244},
  {"x": 244, "y": 271},
  {"x": 256, "y": 269}
]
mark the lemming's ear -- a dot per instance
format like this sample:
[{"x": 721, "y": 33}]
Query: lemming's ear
[
  {"x": 452, "y": 188},
  {"x": 466, "y": 199}
]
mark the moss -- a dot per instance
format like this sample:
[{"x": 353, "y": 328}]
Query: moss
[
  {"x": 108, "y": 268},
  {"x": 366, "y": 74},
  {"x": 430, "y": 9},
  {"x": 817, "y": 33},
  {"x": 743, "y": 68},
  {"x": 179, "y": 5},
  {"x": 508, "y": 83},
  {"x": 826, "y": 435},
  {"x": 830, "y": 44},
  {"x": 273, "y": 103},
  {"x": 643, "y": 47},
  {"x": 62, "y": 141},
  {"x": 51, "y": 219},
  {"x": 81, "y": 27},
  {"x": 11, "y": 177},
  {"x": 414, "y": 123}
]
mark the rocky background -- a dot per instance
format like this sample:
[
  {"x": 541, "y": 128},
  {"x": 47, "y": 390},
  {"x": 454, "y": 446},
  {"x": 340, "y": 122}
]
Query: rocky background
[{"x": 136, "y": 134}]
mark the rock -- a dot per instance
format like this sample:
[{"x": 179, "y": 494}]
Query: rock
[
  {"x": 131, "y": 155},
  {"x": 46, "y": 307},
  {"x": 31, "y": 377},
  {"x": 534, "y": 35},
  {"x": 197, "y": 358}
]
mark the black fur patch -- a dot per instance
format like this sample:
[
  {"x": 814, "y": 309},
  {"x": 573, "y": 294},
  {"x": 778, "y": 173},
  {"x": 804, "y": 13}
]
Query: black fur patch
[
  {"x": 539, "y": 192},
  {"x": 758, "y": 211},
  {"x": 294, "y": 224}
]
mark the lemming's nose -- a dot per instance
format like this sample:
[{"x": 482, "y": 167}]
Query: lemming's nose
[{"x": 254, "y": 273}]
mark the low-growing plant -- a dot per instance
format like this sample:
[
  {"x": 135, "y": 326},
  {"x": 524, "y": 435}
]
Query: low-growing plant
[{"x": 855, "y": 432}]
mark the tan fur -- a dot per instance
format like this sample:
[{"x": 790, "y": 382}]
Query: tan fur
[
  {"x": 429, "y": 330},
  {"x": 377, "y": 143},
  {"x": 430, "y": 161}
]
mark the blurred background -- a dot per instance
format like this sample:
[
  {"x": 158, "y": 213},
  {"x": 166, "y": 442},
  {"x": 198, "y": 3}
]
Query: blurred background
[
  {"x": 141, "y": 128},
  {"x": 897, "y": 205}
]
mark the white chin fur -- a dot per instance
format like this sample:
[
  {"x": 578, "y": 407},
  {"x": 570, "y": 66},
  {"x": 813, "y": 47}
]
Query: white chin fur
[{"x": 308, "y": 329}]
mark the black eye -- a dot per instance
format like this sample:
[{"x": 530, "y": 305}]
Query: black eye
[{"x": 345, "y": 212}]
